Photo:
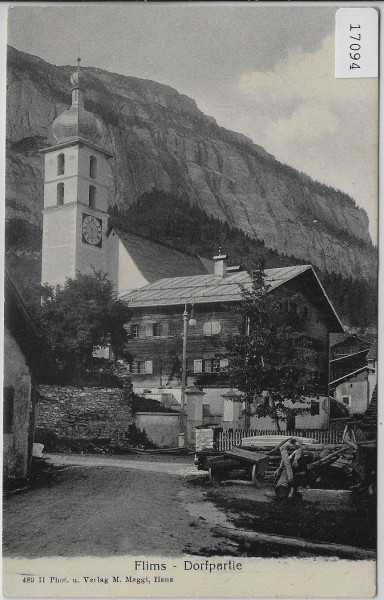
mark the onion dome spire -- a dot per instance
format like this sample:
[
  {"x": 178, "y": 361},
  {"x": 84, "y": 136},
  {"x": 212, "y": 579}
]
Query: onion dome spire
[
  {"x": 77, "y": 90},
  {"x": 76, "y": 122}
]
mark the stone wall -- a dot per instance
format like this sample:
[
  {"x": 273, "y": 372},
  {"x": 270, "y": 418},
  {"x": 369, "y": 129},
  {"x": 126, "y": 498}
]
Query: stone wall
[{"x": 85, "y": 413}]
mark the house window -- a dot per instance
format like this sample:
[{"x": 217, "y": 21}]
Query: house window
[
  {"x": 60, "y": 194},
  {"x": 92, "y": 196},
  {"x": 157, "y": 329},
  {"x": 346, "y": 400},
  {"x": 292, "y": 307},
  {"x": 60, "y": 164},
  {"x": 146, "y": 330},
  {"x": 92, "y": 167},
  {"x": 142, "y": 367},
  {"x": 8, "y": 408},
  {"x": 135, "y": 331},
  {"x": 211, "y": 328},
  {"x": 315, "y": 408},
  {"x": 209, "y": 365}
]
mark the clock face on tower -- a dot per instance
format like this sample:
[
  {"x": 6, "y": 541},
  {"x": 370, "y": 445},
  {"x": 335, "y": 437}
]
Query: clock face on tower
[{"x": 92, "y": 230}]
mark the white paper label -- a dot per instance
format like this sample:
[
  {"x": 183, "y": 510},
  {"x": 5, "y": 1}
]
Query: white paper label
[{"x": 356, "y": 43}]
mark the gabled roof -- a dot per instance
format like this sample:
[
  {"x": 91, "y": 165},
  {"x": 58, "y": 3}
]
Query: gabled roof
[
  {"x": 372, "y": 354},
  {"x": 156, "y": 260},
  {"x": 349, "y": 356},
  {"x": 350, "y": 376},
  {"x": 350, "y": 336},
  {"x": 211, "y": 288}
]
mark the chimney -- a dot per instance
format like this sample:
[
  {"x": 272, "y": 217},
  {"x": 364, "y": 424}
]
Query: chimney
[{"x": 220, "y": 264}]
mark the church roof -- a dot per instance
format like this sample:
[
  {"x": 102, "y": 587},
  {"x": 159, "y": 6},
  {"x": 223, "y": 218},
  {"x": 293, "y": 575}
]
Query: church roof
[
  {"x": 157, "y": 260},
  {"x": 210, "y": 288}
]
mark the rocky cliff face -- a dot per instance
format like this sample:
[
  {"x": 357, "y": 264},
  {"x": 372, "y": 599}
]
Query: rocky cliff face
[{"x": 162, "y": 140}]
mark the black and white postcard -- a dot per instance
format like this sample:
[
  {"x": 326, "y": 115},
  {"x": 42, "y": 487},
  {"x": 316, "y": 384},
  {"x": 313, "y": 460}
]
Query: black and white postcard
[{"x": 190, "y": 392}]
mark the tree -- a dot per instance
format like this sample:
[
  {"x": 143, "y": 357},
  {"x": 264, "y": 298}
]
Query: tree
[
  {"x": 82, "y": 314},
  {"x": 264, "y": 362}
]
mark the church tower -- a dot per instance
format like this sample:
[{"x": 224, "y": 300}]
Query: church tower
[{"x": 75, "y": 194}]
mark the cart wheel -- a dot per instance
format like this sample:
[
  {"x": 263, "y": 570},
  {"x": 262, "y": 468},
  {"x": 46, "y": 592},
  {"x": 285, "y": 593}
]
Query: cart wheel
[
  {"x": 257, "y": 478},
  {"x": 215, "y": 474}
]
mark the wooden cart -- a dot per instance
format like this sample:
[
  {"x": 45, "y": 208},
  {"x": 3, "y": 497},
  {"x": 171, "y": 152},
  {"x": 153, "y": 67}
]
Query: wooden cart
[{"x": 238, "y": 462}]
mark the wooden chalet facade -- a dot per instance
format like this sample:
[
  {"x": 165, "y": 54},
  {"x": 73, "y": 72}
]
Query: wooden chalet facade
[{"x": 156, "y": 331}]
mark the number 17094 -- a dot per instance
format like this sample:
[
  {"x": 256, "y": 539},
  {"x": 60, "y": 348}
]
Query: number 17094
[{"x": 354, "y": 46}]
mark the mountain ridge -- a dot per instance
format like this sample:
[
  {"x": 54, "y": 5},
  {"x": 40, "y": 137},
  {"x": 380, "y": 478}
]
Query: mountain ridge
[{"x": 162, "y": 140}]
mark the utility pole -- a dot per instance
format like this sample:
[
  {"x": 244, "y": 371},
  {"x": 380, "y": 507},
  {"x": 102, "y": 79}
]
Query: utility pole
[
  {"x": 192, "y": 323},
  {"x": 182, "y": 431}
]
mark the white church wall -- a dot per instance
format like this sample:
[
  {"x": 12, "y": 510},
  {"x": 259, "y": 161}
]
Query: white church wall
[
  {"x": 122, "y": 270},
  {"x": 113, "y": 259},
  {"x": 84, "y": 179},
  {"x": 130, "y": 277},
  {"x": 69, "y": 178},
  {"x": 59, "y": 245}
]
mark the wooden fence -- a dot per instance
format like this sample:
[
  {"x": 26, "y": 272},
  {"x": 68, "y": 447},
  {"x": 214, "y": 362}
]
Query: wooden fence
[{"x": 226, "y": 439}]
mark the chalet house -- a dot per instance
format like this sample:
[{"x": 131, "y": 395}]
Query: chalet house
[
  {"x": 156, "y": 336},
  {"x": 27, "y": 360},
  {"x": 356, "y": 388}
]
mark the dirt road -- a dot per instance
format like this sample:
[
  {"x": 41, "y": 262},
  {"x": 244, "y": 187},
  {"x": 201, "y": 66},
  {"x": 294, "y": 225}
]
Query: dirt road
[
  {"x": 170, "y": 465},
  {"x": 105, "y": 506}
]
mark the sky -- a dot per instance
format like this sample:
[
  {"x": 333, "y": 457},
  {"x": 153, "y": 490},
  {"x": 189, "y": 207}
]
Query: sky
[{"x": 264, "y": 71}]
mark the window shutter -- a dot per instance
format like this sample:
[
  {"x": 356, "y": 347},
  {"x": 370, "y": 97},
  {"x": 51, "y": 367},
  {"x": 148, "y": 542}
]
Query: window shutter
[
  {"x": 135, "y": 368},
  {"x": 207, "y": 328},
  {"x": 149, "y": 329},
  {"x": 166, "y": 328},
  {"x": 148, "y": 367},
  {"x": 216, "y": 327},
  {"x": 247, "y": 325},
  {"x": 143, "y": 331},
  {"x": 198, "y": 365},
  {"x": 208, "y": 365}
]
